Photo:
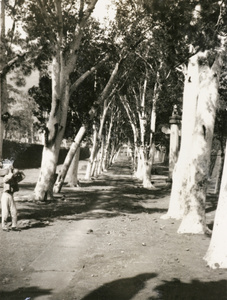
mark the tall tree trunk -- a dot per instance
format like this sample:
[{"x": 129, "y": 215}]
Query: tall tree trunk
[
  {"x": 219, "y": 174},
  {"x": 63, "y": 64},
  {"x": 69, "y": 157},
  {"x": 107, "y": 145},
  {"x": 194, "y": 219},
  {"x": 73, "y": 170},
  {"x": 100, "y": 161},
  {"x": 132, "y": 121},
  {"x": 54, "y": 131},
  {"x": 104, "y": 95},
  {"x": 150, "y": 159},
  {"x": 176, "y": 204},
  {"x": 216, "y": 256},
  {"x": 96, "y": 144},
  {"x": 147, "y": 167},
  {"x": 92, "y": 155}
]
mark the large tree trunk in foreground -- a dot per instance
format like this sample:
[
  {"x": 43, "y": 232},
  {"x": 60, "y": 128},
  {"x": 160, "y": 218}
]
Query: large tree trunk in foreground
[
  {"x": 216, "y": 256},
  {"x": 194, "y": 218},
  {"x": 176, "y": 204},
  {"x": 63, "y": 64},
  {"x": 54, "y": 131},
  {"x": 69, "y": 157}
]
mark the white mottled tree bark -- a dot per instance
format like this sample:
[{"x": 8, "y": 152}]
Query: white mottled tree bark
[
  {"x": 73, "y": 170},
  {"x": 69, "y": 157},
  {"x": 216, "y": 256},
  {"x": 191, "y": 85},
  {"x": 63, "y": 64},
  {"x": 194, "y": 218}
]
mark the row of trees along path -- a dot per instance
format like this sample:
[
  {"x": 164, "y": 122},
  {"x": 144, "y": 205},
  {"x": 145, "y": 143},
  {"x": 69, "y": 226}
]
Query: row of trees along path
[
  {"x": 198, "y": 51},
  {"x": 106, "y": 241}
]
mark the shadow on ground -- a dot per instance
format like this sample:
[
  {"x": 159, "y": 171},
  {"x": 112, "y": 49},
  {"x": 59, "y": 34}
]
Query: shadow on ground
[
  {"x": 116, "y": 199},
  {"x": 122, "y": 289},
  {"x": 198, "y": 290},
  {"x": 24, "y": 293},
  {"x": 114, "y": 193}
]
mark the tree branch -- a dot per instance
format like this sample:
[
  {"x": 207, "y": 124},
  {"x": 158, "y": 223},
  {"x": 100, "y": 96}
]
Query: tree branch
[
  {"x": 10, "y": 63},
  {"x": 84, "y": 15},
  {"x": 75, "y": 85}
]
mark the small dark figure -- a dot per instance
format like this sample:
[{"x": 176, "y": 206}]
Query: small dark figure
[{"x": 10, "y": 186}]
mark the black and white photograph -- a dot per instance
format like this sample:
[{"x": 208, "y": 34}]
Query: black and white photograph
[{"x": 113, "y": 135}]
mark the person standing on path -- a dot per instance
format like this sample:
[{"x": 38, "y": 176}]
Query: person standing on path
[{"x": 10, "y": 186}]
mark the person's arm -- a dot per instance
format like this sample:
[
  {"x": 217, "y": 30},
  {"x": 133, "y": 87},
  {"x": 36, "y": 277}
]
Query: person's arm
[{"x": 7, "y": 178}]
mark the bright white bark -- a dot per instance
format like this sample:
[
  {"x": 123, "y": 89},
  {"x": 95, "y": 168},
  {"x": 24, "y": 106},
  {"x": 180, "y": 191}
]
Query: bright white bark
[
  {"x": 62, "y": 66},
  {"x": 102, "y": 99},
  {"x": 54, "y": 131},
  {"x": 92, "y": 155},
  {"x": 147, "y": 167},
  {"x": 106, "y": 155},
  {"x": 194, "y": 218},
  {"x": 116, "y": 154},
  {"x": 100, "y": 160},
  {"x": 73, "y": 170},
  {"x": 132, "y": 121},
  {"x": 98, "y": 143},
  {"x": 69, "y": 157},
  {"x": 216, "y": 256},
  {"x": 176, "y": 204}
]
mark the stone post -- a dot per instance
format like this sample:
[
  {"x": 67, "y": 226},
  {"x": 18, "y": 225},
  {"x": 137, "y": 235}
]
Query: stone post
[{"x": 174, "y": 122}]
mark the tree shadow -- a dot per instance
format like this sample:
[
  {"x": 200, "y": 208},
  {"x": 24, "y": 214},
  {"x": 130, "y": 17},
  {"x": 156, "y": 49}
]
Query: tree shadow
[
  {"x": 23, "y": 293},
  {"x": 95, "y": 204},
  {"x": 122, "y": 289},
  {"x": 113, "y": 193},
  {"x": 195, "y": 290}
]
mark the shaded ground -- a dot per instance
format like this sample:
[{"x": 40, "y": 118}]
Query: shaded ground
[{"x": 105, "y": 240}]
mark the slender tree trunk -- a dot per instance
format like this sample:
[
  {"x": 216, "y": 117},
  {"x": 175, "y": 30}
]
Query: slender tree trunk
[
  {"x": 112, "y": 152},
  {"x": 116, "y": 154},
  {"x": 103, "y": 96},
  {"x": 92, "y": 155},
  {"x": 147, "y": 167},
  {"x": 97, "y": 144},
  {"x": 132, "y": 121},
  {"x": 73, "y": 170},
  {"x": 107, "y": 145},
  {"x": 100, "y": 161},
  {"x": 216, "y": 256},
  {"x": 194, "y": 218},
  {"x": 140, "y": 162},
  {"x": 68, "y": 159},
  {"x": 149, "y": 161},
  {"x": 219, "y": 174}
]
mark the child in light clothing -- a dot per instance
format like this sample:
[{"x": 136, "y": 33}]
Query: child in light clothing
[{"x": 10, "y": 186}]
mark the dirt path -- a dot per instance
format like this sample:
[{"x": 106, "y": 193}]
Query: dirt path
[{"x": 105, "y": 240}]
